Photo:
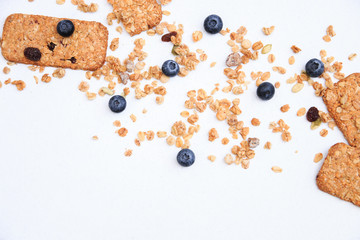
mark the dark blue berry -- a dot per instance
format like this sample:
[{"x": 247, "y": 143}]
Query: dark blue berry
[
  {"x": 186, "y": 157},
  {"x": 213, "y": 24},
  {"x": 65, "y": 28},
  {"x": 314, "y": 67},
  {"x": 117, "y": 103},
  {"x": 265, "y": 91},
  {"x": 170, "y": 68}
]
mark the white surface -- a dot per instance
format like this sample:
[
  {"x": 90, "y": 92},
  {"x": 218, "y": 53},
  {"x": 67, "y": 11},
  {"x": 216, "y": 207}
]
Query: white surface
[{"x": 56, "y": 183}]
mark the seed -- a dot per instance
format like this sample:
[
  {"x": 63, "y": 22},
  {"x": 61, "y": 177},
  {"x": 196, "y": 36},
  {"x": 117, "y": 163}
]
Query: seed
[
  {"x": 297, "y": 87},
  {"x": 266, "y": 49}
]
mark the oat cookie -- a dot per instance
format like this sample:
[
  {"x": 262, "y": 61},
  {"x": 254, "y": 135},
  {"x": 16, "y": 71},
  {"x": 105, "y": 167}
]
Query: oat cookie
[
  {"x": 343, "y": 104},
  {"x": 84, "y": 49},
  {"x": 137, "y": 15},
  {"x": 340, "y": 173}
]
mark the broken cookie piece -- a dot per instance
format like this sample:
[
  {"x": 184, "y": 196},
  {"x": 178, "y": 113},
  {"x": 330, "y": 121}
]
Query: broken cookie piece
[
  {"x": 137, "y": 15},
  {"x": 343, "y": 104},
  {"x": 340, "y": 173}
]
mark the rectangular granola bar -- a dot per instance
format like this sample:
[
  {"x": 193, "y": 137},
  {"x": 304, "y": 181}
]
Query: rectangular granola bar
[
  {"x": 84, "y": 49},
  {"x": 340, "y": 173},
  {"x": 343, "y": 104}
]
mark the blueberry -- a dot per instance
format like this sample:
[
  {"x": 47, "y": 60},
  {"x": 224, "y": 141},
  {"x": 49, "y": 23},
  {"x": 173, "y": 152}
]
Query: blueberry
[
  {"x": 186, "y": 157},
  {"x": 314, "y": 67},
  {"x": 265, "y": 91},
  {"x": 117, "y": 103},
  {"x": 170, "y": 68},
  {"x": 65, "y": 28},
  {"x": 213, "y": 24}
]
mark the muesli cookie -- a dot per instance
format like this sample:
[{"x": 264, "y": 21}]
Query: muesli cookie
[
  {"x": 343, "y": 104},
  {"x": 137, "y": 15},
  {"x": 340, "y": 173},
  {"x": 34, "y": 39}
]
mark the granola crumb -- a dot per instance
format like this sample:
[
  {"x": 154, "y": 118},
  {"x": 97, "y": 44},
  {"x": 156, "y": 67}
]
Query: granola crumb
[
  {"x": 269, "y": 30},
  {"x": 229, "y": 159},
  {"x": 212, "y": 158},
  {"x": 117, "y": 123},
  {"x": 271, "y": 58},
  {"x": 276, "y": 169},
  {"x": 277, "y": 84},
  {"x": 114, "y": 44},
  {"x": 295, "y": 49},
  {"x": 291, "y": 60},
  {"x": 144, "y": 111},
  {"x": 170, "y": 140},
  {"x": 213, "y": 134},
  {"x": 225, "y": 141},
  {"x": 352, "y": 56},
  {"x": 36, "y": 79},
  {"x": 46, "y": 78},
  {"x": 324, "y": 132},
  {"x": 267, "y": 145},
  {"x": 59, "y": 73},
  {"x": 285, "y": 108},
  {"x": 197, "y": 36},
  {"x": 95, "y": 137},
  {"x": 122, "y": 132},
  {"x": 326, "y": 38},
  {"x": 60, "y": 2},
  {"x": 6, "y": 70},
  {"x": 253, "y": 142},
  {"x": 90, "y": 96},
  {"x": 301, "y": 112},
  {"x": 133, "y": 117},
  {"x": 20, "y": 85},
  {"x": 128, "y": 153},
  {"x": 318, "y": 157},
  {"x": 255, "y": 122},
  {"x": 185, "y": 114},
  {"x": 161, "y": 134},
  {"x": 83, "y": 86},
  {"x": 212, "y": 64}
]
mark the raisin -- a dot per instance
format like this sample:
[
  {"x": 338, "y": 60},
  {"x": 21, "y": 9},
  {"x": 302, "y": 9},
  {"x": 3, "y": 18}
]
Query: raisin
[
  {"x": 72, "y": 60},
  {"x": 32, "y": 54},
  {"x": 313, "y": 114},
  {"x": 167, "y": 37},
  {"x": 51, "y": 46}
]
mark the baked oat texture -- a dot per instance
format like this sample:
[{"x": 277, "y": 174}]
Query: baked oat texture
[
  {"x": 88, "y": 44},
  {"x": 340, "y": 173},
  {"x": 137, "y": 15},
  {"x": 343, "y": 104}
]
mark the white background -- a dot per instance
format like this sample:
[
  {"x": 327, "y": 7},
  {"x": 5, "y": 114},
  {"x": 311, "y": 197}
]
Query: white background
[{"x": 56, "y": 183}]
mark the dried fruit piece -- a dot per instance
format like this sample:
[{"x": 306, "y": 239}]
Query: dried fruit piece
[
  {"x": 313, "y": 114},
  {"x": 167, "y": 37},
  {"x": 33, "y": 54},
  {"x": 233, "y": 60}
]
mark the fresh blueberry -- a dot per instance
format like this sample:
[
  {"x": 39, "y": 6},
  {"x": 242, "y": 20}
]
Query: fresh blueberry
[
  {"x": 186, "y": 157},
  {"x": 265, "y": 91},
  {"x": 65, "y": 28},
  {"x": 314, "y": 67},
  {"x": 117, "y": 103},
  {"x": 213, "y": 24},
  {"x": 170, "y": 68}
]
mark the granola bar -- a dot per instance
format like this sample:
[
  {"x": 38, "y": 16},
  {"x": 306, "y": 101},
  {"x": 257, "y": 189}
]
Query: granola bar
[
  {"x": 84, "y": 49},
  {"x": 137, "y": 15},
  {"x": 340, "y": 173},
  {"x": 343, "y": 104}
]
